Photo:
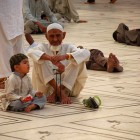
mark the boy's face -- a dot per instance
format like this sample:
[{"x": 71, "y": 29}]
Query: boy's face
[{"x": 23, "y": 67}]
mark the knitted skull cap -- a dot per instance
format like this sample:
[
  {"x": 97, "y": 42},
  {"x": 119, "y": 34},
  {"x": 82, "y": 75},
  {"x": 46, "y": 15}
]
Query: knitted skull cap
[{"x": 55, "y": 26}]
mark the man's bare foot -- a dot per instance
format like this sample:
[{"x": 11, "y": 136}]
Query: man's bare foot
[
  {"x": 89, "y": 2},
  {"x": 51, "y": 98},
  {"x": 64, "y": 98},
  {"x": 113, "y": 64},
  {"x": 110, "y": 63},
  {"x": 117, "y": 64},
  {"x": 30, "y": 107},
  {"x": 112, "y": 1}
]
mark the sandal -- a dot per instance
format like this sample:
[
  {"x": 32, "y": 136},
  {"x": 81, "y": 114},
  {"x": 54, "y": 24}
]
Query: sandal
[{"x": 94, "y": 102}]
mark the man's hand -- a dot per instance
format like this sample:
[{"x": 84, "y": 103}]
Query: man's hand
[
  {"x": 58, "y": 58},
  {"x": 61, "y": 67},
  {"x": 41, "y": 27},
  {"x": 39, "y": 94}
]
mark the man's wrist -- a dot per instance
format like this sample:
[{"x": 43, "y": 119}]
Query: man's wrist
[{"x": 68, "y": 57}]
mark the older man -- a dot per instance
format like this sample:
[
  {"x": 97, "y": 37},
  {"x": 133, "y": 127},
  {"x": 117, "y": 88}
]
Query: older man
[
  {"x": 65, "y": 10},
  {"x": 32, "y": 10},
  {"x": 69, "y": 60}
]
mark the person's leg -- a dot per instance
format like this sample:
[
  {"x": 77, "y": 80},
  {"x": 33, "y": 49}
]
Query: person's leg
[
  {"x": 138, "y": 37},
  {"x": 41, "y": 75},
  {"x": 30, "y": 27},
  {"x": 40, "y": 102},
  {"x": 17, "y": 105},
  {"x": 74, "y": 78},
  {"x": 97, "y": 61},
  {"x": 113, "y": 64},
  {"x": 37, "y": 103},
  {"x": 73, "y": 81},
  {"x": 18, "y": 45},
  {"x": 6, "y": 51}
]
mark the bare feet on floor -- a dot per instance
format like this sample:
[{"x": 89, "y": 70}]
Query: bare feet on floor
[
  {"x": 30, "y": 107},
  {"x": 117, "y": 64},
  {"x": 110, "y": 63},
  {"x": 113, "y": 63},
  {"x": 51, "y": 98},
  {"x": 64, "y": 98}
]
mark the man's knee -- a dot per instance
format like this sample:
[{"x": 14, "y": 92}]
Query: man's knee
[{"x": 29, "y": 26}]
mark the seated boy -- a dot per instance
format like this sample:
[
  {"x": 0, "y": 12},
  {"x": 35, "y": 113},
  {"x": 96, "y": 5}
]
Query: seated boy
[{"x": 19, "y": 94}]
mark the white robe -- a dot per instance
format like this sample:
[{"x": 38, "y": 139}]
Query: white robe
[
  {"x": 11, "y": 30},
  {"x": 75, "y": 74}
]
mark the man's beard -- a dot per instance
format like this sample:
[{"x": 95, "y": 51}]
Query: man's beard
[{"x": 55, "y": 48}]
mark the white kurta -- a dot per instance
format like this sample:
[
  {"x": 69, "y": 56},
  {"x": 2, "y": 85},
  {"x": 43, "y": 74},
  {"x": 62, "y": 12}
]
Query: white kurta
[
  {"x": 75, "y": 73},
  {"x": 11, "y": 30}
]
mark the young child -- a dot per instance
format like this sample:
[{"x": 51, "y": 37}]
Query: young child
[{"x": 19, "y": 93}]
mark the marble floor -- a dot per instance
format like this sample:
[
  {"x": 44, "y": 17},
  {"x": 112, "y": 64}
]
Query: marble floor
[{"x": 119, "y": 116}]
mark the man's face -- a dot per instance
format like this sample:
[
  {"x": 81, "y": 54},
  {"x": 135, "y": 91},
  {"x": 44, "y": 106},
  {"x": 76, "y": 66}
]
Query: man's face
[{"x": 55, "y": 37}]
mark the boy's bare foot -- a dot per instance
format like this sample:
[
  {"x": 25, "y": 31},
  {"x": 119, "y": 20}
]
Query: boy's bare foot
[
  {"x": 30, "y": 107},
  {"x": 51, "y": 98},
  {"x": 110, "y": 63},
  {"x": 112, "y": 1},
  {"x": 64, "y": 98}
]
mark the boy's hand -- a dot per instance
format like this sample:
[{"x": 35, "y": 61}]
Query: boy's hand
[
  {"x": 39, "y": 94},
  {"x": 26, "y": 99},
  {"x": 21, "y": 99}
]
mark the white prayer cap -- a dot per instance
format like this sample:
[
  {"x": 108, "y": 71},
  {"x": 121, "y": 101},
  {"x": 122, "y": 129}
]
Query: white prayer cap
[{"x": 55, "y": 26}]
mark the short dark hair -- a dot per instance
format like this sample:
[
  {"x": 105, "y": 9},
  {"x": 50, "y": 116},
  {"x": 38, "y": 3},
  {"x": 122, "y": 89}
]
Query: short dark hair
[
  {"x": 43, "y": 15},
  {"x": 16, "y": 59}
]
